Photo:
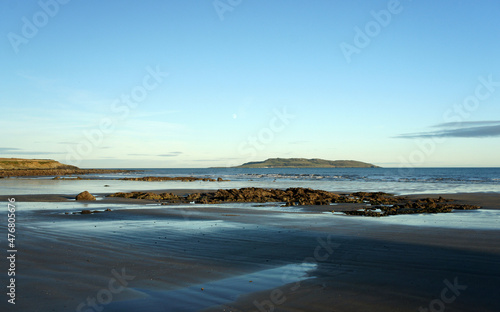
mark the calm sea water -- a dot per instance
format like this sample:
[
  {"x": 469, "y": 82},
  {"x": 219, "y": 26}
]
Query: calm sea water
[{"x": 391, "y": 180}]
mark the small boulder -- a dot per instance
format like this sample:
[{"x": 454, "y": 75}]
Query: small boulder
[
  {"x": 86, "y": 212},
  {"x": 85, "y": 196}
]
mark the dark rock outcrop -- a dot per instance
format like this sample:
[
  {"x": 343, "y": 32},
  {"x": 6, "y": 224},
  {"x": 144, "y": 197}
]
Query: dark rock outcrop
[
  {"x": 405, "y": 206},
  {"x": 148, "y": 195},
  {"x": 377, "y": 204},
  {"x": 159, "y": 179},
  {"x": 85, "y": 196},
  {"x": 182, "y": 179}
]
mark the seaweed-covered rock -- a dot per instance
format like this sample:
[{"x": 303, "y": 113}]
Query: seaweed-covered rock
[
  {"x": 425, "y": 205},
  {"x": 378, "y": 203},
  {"x": 160, "y": 179},
  {"x": 148, "y": 195},
  {"x": 85, "y": 196}
]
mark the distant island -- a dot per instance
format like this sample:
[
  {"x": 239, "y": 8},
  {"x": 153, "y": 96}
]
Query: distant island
[{"x": 306, "y": 163}]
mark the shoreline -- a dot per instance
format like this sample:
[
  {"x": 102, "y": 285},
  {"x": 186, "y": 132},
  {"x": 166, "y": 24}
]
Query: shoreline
[
  {"x": 215, "y": 257},
  {"x": 166, "y": 251},
  {"x": 31, "y": 173}
]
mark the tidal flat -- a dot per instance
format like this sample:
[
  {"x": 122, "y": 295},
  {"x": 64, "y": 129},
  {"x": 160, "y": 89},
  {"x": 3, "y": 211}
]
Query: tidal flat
[{"x": 251, "y": 257}]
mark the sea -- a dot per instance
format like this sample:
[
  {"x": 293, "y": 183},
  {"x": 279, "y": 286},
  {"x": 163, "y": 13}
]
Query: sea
[
  {"x": 184, "y": 231},
  {"x": 398, "y": 181}
]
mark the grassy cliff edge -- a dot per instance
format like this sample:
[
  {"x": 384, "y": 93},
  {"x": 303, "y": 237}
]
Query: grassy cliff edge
[
  {"x": 23, "y": 164},
  {"x": 19, "y": 167}
]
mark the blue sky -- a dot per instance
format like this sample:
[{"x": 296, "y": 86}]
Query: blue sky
[{"x": 219, "y": 83}]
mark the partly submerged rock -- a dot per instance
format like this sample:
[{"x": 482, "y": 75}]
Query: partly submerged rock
[
  {"x": 378, "y": 204},
  {"x": 85, "y": 196}
]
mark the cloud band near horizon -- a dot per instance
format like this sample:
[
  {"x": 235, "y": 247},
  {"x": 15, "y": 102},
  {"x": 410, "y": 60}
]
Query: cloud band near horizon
[{"x": 471, "y": 129}]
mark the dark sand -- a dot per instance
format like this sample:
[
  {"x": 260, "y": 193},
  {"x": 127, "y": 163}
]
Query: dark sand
[{"x": 63, "y": 260}]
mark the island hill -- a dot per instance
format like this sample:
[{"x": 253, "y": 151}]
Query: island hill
[
  {"x": 20, "y": 167},
  {"x": 306, "y": 163}
]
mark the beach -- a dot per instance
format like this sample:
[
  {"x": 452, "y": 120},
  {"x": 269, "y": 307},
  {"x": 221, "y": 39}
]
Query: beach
[
  {"x": 142, "y": 256},
  {"x": 246, "y": 156}
]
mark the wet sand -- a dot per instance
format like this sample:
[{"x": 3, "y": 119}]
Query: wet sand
[{"x": 165, "y": 255}]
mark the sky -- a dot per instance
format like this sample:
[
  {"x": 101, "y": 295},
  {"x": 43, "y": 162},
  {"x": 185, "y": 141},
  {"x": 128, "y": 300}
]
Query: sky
[{"x": 188, "y": 84}]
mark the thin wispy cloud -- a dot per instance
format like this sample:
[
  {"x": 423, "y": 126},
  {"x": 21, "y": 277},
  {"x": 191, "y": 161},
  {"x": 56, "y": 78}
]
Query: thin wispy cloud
[
  {"x": 467, "y": 124},
  {"x": 17, "y": 151},
  {"x": 39, "y": 81},
  {"x": 9, "y": 150},
  {"x": 69, "y": 97},
  {"x": 173, "y": 154},
  {"x": 470, "y": 129}
]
